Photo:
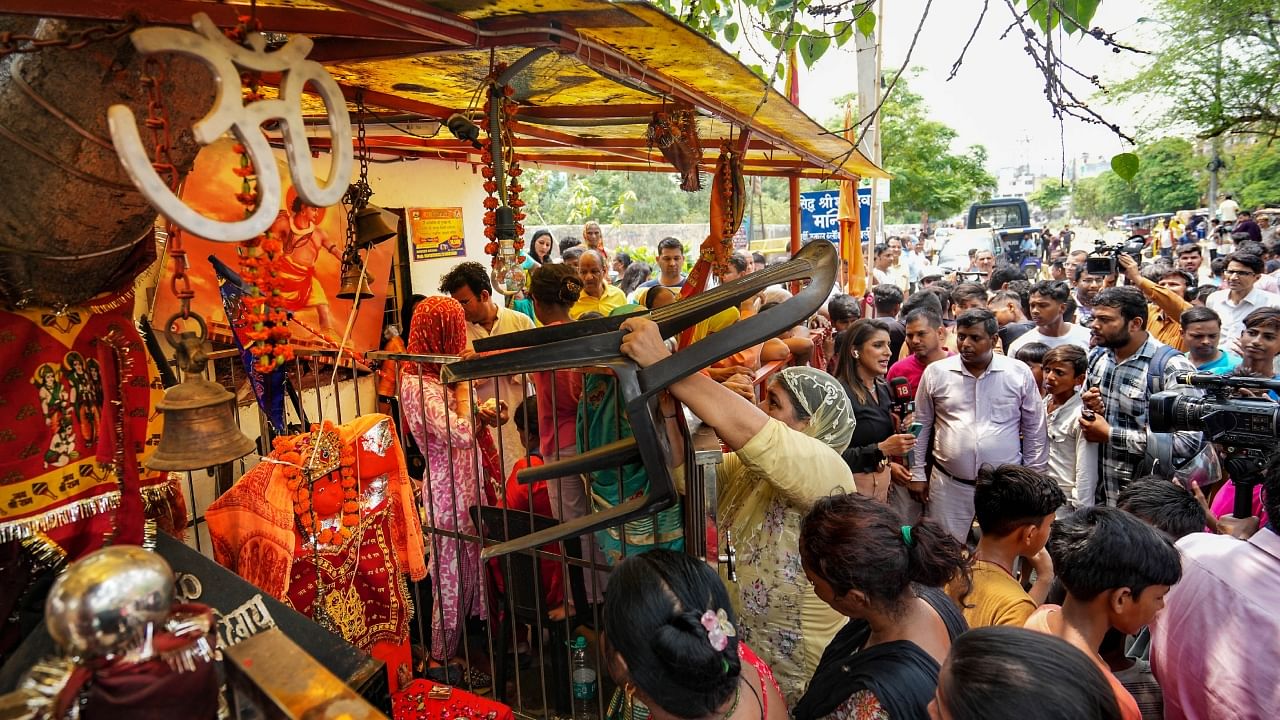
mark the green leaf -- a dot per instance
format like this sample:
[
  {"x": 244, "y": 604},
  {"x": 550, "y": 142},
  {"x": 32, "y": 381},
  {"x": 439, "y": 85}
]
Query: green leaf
[
  {"x": 867, "y": 23},
  {"x": 1125, "y": 165},
  {"x": 758, "y": 69},
  {"x": 812, "y": 48},
  {"x": 730, "y": 32},
  {"x": 793, "y": 39},
  {"x": 781, "y": 6},
  {"x": 1079, "y": 10},
  {"x": 843, "y": 33}
]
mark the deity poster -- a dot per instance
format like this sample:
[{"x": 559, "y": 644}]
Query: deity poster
[{"x": 310, "y": 276}]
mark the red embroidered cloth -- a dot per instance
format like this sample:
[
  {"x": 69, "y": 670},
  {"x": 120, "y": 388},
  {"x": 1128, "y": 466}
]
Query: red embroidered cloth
[
  {"x": 414, "y": 702},
  {"x": 62, "y": 374}
]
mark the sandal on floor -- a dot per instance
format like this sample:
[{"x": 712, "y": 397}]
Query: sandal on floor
[{"x": 477, "y": 682}]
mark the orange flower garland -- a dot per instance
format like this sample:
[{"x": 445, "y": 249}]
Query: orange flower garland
[
  {"x": 266, "y": 323},
  {"x": 303, "y": 471},
  {"x": 512, "y": 167}
]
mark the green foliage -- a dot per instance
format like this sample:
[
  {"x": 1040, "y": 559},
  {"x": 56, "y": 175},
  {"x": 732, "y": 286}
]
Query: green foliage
[
  {"x": 927, "y": 175},
  {"x": 615, "y": 198},
  {"x": 1253, "y": 175},
  {"x": 1104, "y": 196},
  {"x": 1166, "y": 181},
  {"x": 1049, "y": 196},
  {"x": 1216, "y": 68}
]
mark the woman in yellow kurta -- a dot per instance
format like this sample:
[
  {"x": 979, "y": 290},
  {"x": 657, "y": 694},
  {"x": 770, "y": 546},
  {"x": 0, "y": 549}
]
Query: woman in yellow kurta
[{"x": 786, "y": 454}]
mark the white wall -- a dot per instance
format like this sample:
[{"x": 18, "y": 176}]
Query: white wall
[{"x": 434, "y": 183}]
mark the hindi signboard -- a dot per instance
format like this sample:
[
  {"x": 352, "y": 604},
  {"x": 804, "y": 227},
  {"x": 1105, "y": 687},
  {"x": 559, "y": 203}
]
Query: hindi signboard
[
  {"x": 435, "y": 232},
  {"x": 820, "y": 215},
  {"x": 864, "y": 212}
]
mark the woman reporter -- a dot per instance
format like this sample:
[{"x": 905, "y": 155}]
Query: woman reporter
[{"x": 863, "y": 356}]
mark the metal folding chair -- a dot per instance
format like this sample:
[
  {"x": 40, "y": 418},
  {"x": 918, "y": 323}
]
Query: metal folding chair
[{"x": 596, "y": 343}]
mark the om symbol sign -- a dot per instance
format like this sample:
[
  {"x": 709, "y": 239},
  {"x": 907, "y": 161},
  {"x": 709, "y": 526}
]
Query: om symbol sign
[{"x": 229, "y": 112}]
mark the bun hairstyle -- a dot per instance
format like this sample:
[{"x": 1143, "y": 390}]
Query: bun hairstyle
[
  {"x": 653, "y": 612},
  {"x": 555, "y": 285},
  {"x": 856, "y": 543}
]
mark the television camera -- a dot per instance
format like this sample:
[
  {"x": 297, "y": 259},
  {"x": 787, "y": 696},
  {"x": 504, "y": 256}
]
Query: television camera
[
  {"x": 1104, "y": 260},
  {"x": 1242, "y": 425}
]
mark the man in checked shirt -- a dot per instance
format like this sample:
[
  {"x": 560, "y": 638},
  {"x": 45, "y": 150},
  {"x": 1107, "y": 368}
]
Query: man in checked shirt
[{"x": 1124, "y": 369}]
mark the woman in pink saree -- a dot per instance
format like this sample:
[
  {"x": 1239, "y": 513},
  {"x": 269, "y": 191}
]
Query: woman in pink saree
[{"x": 440, "y": 418}]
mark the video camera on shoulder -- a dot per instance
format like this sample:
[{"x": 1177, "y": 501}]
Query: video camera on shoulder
[
  {"x": 1222, "y": 414},
  {"x": 1104, "y": 260}
]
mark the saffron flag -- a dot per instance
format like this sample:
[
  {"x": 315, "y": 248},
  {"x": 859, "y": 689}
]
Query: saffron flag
[{"x": 855, "y": 272}]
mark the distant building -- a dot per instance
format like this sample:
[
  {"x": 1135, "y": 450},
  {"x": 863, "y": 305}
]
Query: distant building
[
  {"x": 1017, "y": 182},
  {"x": 1087, "y": 165}
]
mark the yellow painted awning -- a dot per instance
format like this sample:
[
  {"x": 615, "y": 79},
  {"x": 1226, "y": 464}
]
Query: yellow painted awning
[{"x": 598, "y": 72}]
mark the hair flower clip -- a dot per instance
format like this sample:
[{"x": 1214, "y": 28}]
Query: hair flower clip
[{"x": 718, "y": 628}]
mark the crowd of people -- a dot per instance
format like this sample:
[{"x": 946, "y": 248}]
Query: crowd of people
[{"x": 946, "y": 497}]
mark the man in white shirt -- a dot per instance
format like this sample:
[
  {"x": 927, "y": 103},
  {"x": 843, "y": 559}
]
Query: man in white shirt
[
  {"x": 978, "y": 408},
  {"x": 1239, "y": 297},
  {"x": 1048, "y": 303},
  {"x": 1227, "y": 210},
  {"x": 882, "y": 270},
  {"x": 469, "y": 284}
]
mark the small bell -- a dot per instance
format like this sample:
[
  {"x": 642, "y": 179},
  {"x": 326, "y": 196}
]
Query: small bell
[
  {"x": 199, "y": 417},
  {"x": 371, "y": 229},
  {"x": 353, "y": 286}
]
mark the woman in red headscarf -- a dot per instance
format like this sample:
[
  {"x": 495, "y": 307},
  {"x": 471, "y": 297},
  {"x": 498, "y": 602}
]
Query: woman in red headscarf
[{"x": 440, "y": 419}]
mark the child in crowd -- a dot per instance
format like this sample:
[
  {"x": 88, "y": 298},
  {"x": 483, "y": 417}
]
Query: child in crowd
[
  {"x": 533, "y": 496},
  {"x": 1164, "y": 505},
  {"x": 1032, "y": 355},
  {"x": 1073, "y": 460},
  {"x": 1116, "y": 571},
  {"x": 1015, "y": 508}
]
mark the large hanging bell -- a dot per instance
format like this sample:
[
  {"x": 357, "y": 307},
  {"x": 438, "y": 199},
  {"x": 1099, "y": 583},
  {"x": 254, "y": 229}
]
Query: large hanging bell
[
  {"x": 353, "y": 285},
  {"x": 371, "y": 229},
  {"x": 199, "y": 417}
]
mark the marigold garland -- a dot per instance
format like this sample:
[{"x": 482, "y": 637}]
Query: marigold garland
[
  {"x": 489, "y": 171},
  {"x": 302, "y": 472},
  {"x": 266, "y": 326}
]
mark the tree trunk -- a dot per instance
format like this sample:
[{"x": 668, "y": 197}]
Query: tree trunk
[{"x": 64, "y": 194}]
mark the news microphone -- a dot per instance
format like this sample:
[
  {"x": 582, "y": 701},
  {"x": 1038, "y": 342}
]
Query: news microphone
[{"x": 900, "y": 392}]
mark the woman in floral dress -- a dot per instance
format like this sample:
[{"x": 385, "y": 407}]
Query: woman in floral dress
[{"x": 786, "y": 455}]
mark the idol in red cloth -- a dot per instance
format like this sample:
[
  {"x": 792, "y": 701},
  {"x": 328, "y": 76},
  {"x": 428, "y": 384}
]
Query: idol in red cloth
[{"x": 327, "y": 524}]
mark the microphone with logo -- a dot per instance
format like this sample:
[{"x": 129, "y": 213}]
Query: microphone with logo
[{"x": 904, "y": 405}]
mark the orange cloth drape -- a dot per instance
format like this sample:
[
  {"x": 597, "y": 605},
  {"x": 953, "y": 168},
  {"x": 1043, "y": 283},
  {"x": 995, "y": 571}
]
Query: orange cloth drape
[{"x": 855, "y": 281}]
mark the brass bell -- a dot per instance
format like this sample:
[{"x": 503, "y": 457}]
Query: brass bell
[
  {"x": 371, "y": 229},
  {"x": 199, "y": 417},
  {"x": 353, "y": 287}
]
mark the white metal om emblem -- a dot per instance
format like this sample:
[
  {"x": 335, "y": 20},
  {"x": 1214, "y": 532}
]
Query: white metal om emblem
[{"x": 229, "y": 112}]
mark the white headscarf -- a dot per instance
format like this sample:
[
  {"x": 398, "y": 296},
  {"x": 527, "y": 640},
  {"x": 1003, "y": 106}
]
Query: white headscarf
[{"x": 822, "y": 397}]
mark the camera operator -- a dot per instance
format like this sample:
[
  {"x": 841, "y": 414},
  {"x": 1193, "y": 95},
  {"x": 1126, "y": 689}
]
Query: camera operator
[
  {"x": 1168, "y": 289},
  {"x": 1205, "y": 648},
  {"x": 1125, "y": 369},
  {"x": 1239, "y": 297}
]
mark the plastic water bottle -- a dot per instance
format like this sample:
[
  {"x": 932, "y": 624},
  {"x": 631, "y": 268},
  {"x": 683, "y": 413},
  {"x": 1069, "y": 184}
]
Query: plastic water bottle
[{"x": 584, "y": 680}]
